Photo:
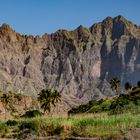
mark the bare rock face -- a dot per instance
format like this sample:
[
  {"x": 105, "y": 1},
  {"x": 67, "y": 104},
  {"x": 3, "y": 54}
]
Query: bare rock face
[
  {"x": 20, "y": 57},
  {"x": 78, "y": 63}
]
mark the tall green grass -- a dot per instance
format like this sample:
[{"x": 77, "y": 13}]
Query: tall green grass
[{"x": 88, "y": 125}]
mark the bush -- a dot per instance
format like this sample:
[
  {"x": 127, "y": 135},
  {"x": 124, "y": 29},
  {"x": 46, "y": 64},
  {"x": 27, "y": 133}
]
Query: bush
[
  {"x": 137, "y": 102},
  {"x": 3, "y": 129},
  {"x": 18, "y": 97},
  {"x": 106, "y": 105},
  {"x": 32, "y": 113},
  {"x": 58, "y": 130},
  {"x": 95, "y": 109},
  {"x": 30, "y": 126},
  {"x": 11, "y": 122},
  {"x": 123, "y": 99},
  {"x": 115, "y": 107},
  {"x": 85, "y": 108}
]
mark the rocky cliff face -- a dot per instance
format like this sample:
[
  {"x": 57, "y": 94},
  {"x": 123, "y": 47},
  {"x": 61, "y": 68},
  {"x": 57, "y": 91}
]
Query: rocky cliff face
[{"x": 78, "y": 63}]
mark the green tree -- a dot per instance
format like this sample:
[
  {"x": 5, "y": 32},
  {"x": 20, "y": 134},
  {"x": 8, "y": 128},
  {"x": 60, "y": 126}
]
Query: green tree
[
  {"x": 56, "y": 97},
  {"x": 47, "y": 98},
  {"x": 138, "y": 84},
  {"x": 128, "y": 86},
  {"x": 5, "y": 99},
  {"x": 115, "y": 84}
]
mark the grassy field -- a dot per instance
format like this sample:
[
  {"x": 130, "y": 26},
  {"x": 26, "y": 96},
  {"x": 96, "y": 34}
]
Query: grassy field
[{"x": 88, "y": 125}]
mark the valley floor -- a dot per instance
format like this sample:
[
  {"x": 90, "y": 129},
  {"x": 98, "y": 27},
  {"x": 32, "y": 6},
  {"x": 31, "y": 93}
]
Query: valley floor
[{"x": 95, "y": 126}]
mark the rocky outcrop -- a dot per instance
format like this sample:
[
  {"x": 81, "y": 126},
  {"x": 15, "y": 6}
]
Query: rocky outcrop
[{"x": 78, "y": 63}]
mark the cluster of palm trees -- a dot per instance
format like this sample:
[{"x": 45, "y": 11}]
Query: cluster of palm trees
[
  {"x": 49, "y": 98},
  {"x": 115, "y": 84}
]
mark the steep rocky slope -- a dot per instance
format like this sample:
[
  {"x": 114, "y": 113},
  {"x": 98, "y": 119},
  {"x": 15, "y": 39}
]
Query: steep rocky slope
[{"x": 78, "y": 63}]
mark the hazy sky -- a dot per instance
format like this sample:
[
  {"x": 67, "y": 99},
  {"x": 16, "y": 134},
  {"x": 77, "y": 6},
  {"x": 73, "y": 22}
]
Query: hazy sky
[{"x": 40, "y": 16}]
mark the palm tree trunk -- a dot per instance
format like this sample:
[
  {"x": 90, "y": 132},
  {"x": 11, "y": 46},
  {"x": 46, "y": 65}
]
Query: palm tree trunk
[
  {"x": 117, "y": 92},
  {"x": 5, "y": 113}
]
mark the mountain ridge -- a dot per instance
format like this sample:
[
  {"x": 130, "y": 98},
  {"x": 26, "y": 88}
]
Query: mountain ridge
[
  {"x": 78, "y": 63},
  {"x": 6, "y": 25}
]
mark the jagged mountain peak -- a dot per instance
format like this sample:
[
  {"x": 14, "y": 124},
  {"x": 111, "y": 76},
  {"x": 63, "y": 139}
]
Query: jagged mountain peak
[
  {"x": 107, "y": 19},
  {"x": 82, "y": 29},
  {"x": 120, "y": 18},
  {"x": 115, "y": 28},
  {"x": 7, "y": 28},
  {"x": 8, "y": 34}
]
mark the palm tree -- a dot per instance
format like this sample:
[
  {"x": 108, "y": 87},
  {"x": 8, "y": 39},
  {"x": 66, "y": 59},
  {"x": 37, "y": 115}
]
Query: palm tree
[
  {"x": 138, "y": 84},
  {"x": 128, "y": 86},
  {"x": 56, "y": 97},
  {"x": 44, "y": 99},
  {"x": 5, "y": 99},
  {"x": 115, "y": 84},
  {"x": 47, "y": 98}
]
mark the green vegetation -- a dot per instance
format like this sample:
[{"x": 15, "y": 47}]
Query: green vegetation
[
  {"x": 92, "y": 125},
  {"x": 32, "y": 113},
  {"x": 123, "y": 103},
  {"x": 11, "y": 122},
  {"x": 98, "y": 118}
]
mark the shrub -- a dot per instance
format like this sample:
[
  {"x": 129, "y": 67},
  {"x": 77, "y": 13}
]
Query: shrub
[
  {"x": 32, "y": 113},
  {"x": 95, "y": 109},
  {"x": 124, "y": 99},
  {"x": 106, "y": 105},
  {"x": 3, "y": 129},
  {"x": 85, "y": 108},
  {"x": 11, "y": 122},
  {"x": 58, "y": 130},
  {"x": 30, "y": 126},
  {"x": 137, "y": 102},
  {"x": 18, "y": 97},
  {"x": 115, "y": 107}
]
